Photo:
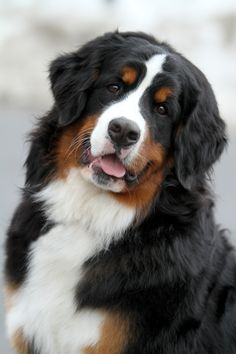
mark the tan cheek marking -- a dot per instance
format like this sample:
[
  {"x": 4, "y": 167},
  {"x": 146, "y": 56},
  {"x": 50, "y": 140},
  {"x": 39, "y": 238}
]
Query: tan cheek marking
[
  {"x": 19, "y": 343},
  {"x": 162, "y": 94},
  {"x": 69, "y": 147},
  {"x": 129, "y": 75},
  {"x": 141, "y": 195},
  {"x": 114, "y": 336}
]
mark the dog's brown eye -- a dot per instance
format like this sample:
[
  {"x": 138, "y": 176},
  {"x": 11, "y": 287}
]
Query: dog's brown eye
[
  {"x": 114, "y": 88},
  {"x": 161, "y": 109}
]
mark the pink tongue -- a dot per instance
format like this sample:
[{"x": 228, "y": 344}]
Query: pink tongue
[{"x": 112, "y": 166}]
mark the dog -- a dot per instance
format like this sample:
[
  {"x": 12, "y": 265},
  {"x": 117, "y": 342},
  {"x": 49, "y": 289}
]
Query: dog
[{"x": 114, "y": 247}]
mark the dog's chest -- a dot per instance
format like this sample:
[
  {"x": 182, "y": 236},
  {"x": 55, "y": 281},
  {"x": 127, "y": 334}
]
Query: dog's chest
[{"x": 45, "y": 307}]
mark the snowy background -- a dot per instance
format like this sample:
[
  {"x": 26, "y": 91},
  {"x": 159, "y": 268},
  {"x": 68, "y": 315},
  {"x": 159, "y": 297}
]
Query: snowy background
[{"x": 33, "y": 32}]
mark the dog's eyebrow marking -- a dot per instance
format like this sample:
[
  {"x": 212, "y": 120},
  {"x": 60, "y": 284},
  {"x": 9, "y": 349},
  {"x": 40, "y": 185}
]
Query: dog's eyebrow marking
[
  {"x": 129, "y": 75},
  {"x": 162, "y": 94}
]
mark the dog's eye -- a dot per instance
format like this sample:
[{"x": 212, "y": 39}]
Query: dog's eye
[
  {"x": 161, "y": 109},
  {"x": 114, "y": 88}
]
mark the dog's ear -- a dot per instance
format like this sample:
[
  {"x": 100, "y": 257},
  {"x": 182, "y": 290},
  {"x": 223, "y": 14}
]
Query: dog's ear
[
  {"x": 200, "y": 137},
  {"x": 71, "y": 76}
]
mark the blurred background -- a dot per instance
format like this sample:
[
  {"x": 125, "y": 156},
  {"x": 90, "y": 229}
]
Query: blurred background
[{"x": 33, "y": 32}]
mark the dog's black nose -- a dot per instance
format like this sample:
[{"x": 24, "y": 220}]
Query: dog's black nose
[{"x": 123, "y": 132}]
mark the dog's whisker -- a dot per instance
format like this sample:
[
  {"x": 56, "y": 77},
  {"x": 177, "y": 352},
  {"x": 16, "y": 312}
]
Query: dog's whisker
[
  {"x": 77, "y": 142},
  {"x": 76, "y": 147}
]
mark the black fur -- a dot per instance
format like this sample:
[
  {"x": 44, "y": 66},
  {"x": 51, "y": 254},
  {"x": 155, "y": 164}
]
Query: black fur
[
  {"x": 175, "y": 278},
  {"x": 174, "y": 275},
  {"x": 200, "y": 140},
  {"x": 29, "y": 222}
]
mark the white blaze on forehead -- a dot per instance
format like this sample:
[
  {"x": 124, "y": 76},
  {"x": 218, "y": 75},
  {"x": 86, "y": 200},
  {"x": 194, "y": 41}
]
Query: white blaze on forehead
[
  {"x": 127, "y": 108},
  {"x": 154, "y": 66}
]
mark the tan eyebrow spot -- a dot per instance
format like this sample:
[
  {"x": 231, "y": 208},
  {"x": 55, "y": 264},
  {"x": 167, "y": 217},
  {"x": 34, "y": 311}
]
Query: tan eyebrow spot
[
  {"x": 129, "y": 75},
  {"x": 162, "y": 94}
]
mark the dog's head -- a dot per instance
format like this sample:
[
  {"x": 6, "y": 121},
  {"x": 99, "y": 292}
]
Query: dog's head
[{"x": 130, "y": 109}]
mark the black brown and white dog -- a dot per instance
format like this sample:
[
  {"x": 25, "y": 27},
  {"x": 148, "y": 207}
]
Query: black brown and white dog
[{"x": 114, "y": 248}]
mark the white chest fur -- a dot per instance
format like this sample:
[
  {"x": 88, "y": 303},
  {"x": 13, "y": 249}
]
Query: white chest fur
[
  {"x": 45, "y": 306},
  {"x": 75, "y": 200}
]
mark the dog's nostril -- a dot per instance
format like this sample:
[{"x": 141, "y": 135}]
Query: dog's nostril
[
  {"x": 123, "y": 132},
  {"x": 133, "y": 135},
  {"x": 116, "y": 128}
]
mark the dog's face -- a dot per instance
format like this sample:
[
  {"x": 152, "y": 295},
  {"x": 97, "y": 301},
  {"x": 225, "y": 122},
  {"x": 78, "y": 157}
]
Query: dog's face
[
  {"x": 130, "y": 110},
  {"x": 128, "y": 104}
]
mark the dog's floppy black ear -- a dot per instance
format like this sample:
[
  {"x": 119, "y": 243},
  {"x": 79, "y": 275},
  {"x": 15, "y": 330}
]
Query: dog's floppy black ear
[
  {"x": 71, "y": 76},
  {"x": 200, "y": 138}
]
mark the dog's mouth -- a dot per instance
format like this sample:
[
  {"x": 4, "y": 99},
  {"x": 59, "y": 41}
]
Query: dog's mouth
[
  {"x": 110, "y": 164},
  {"x": 109, "y": 167}
]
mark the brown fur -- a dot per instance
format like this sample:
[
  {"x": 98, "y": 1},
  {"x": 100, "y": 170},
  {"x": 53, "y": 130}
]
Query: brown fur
[
  {"x": 9, "y": 291},
  {"x": 129, "y": 75},
  {"x": 162, "y": 94},
  {"x": 114, "y": 335},
  {"x": 19, "y": 343},
  {"x": 141, "y": 195},
  {"x": 69, "y": 147}
]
